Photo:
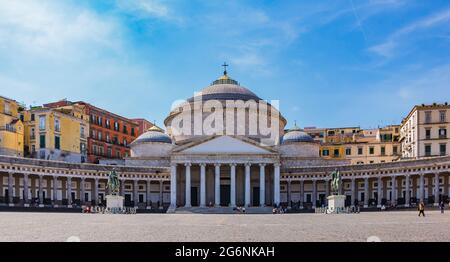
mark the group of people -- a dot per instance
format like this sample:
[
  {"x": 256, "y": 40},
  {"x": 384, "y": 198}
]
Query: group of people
[{"x": 421, "y": 208}]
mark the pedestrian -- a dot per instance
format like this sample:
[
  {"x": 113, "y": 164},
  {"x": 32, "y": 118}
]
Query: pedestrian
[
  {"x": 442, "y": 206},
  {"x": 421, "y": 208}
]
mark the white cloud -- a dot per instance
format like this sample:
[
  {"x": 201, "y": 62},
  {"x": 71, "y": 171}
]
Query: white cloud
[
  {"x": 50, "y": 29},
  {"x": 394, "y": 41}
]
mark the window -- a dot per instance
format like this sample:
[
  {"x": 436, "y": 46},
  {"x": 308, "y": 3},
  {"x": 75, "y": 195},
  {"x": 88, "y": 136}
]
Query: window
[
  {"x": 428, "y": 117},
  {"x": 109, "y": 152},
  {"x": 92, "y": 119},
  {"x": 371, "y": 150},
  {"x": 395, "y": 150},
  {"x": 82, "y": 148},
  {"x": 118, "y": 155},
  {"x": 99, "y": 135},
  {"x": 32, "y": 135},
  {"x": 32, "y": 117},
  {"x": 325, "y": 152},
  {"x": 132, "y": 131},
  {"x": 442, "y": 133},
  {"x": 94, "y": 149},
  {"x": 42, "y": 122},
  {"x": 42, "y": 141},
  {"x": 99, "y": 120},
  {"x": 108, "y": 138},
  {"x": 443, "y": 149},
  {"x": 115, "y": 140},
  {"x": 125, "y": 142},
  {"x": 427, "y": 150},
  {"x": 57, "y": 142},
  {"x": 428, "y": 133},
  {"x": 108, "y": 125},
  {"x": 383, "y": 150},
  {"x": 116, "y": 126},
  {"x": 336, "y": 152},
  {"x": 348, "y": 151},
  {"x": 360, "y": 150},
  {"x": 33, "y": 149},
  {"x": 7, "y": 108},
  {"x": 125, "y": 131},
  {"x": 82, "y": 131},
  {"x": 94, "y": 134},
  {"x": 442, "y": 116},
  {"x": 57, "y": 125}
]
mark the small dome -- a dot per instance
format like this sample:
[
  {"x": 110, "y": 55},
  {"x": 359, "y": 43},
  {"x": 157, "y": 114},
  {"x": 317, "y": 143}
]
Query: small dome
[
  {"x": 296, "y": 135},
  {"x": 152, "y": 135}
]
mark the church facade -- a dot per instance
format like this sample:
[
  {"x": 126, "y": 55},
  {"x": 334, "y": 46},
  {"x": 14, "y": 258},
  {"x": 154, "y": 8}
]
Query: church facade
[{"x": 224, "y": 147}]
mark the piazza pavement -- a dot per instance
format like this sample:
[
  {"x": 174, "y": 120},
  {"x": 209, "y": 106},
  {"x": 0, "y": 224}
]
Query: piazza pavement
[{"x": 385, "y": 226}]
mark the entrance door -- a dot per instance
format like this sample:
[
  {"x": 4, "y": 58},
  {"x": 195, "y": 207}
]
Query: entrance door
[
  {"x": 127, "y": 200},
  {"x": 256, "y": 196},
  {"x": 224, "y": 195},
  {"x": 194, "y": 196}
]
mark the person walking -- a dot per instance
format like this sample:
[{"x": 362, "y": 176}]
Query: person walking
[
  {"x": 442, "y": 206},
  {"x": 421, "y": 208}
]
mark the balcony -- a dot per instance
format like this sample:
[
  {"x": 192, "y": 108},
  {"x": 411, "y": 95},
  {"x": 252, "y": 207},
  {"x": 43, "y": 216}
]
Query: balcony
[{"x": 8, "y": 128}]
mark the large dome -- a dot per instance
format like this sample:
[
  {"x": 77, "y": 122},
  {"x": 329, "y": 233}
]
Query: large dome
[
  {"x": 153, "y": 134},
  {"x": 296, "y": 135},
  {"x": 225, "y": 88}
]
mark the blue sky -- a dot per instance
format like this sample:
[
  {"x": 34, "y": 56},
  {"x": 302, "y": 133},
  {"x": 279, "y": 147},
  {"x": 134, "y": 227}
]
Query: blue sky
[{"x": 330, "y": 63}]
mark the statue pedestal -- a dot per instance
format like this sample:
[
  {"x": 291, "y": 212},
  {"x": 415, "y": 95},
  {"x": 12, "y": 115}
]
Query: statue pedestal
[
  {"x": 113, "y": 201},
  {"x": 336, "y": 203}
]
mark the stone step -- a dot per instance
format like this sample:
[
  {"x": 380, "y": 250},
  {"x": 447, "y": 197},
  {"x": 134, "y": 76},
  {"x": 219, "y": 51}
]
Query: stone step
[{"x": 221, "y": 210}]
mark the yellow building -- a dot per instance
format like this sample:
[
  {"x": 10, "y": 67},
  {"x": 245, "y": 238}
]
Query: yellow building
[
  {"x": 56, "y": 134},
  {"x": 11, "y": 128},
  {"x": 368, "y": 146}
]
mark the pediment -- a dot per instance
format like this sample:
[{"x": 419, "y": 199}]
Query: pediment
[{"x": 225, "y": 145}]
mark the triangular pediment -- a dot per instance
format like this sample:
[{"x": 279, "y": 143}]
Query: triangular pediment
[{"x": 225, "y": 145}]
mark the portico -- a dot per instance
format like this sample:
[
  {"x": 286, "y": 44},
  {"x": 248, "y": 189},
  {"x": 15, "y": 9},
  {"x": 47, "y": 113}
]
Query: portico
[{"x": 242, "y": 174}]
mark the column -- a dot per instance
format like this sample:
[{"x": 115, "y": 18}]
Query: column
[
  {"x": 276, "y": 184},
  {"x": 289, "y": 192},
  {"x": 379, "y": 192},
  {"x": 393, "y": 191},
  {"x": 135, "y": 193},
  {"x": 202, "y": 185},
  {"x": 82, "y": 198},
  {"x": 217, "y": 185},
  {"x": 41, "y": 192},
  {"x": 314, "y": 193},
  {"x": 233, "y": 185},
  {"x": 353, "y": 187},
  {"x": 55, "y": 191},
  {"x": 96, "y": 191},
  {"x": 302, "y": 193},
  {"x": 122, "y": 187},
  {"x": 173, "y": 186},
  {"x": 247, "y": 184},
  {"x": 407, "y": 196},
  {"x": 69, "y": 191},
  {"x": 149, "y": 199},
  {"x": 161, "y": 197},
  {"x": 366, "y": 192},
  {"x": 327, "y": 188},
  {"x": 436, "y": 189},
  {"x": 188, "y": 185},
  {"x": 262, "y": 185},
  {"x": 26, "y": 199},
  {"x": 10, "y": 189},
  {"x": 421, "y": 187}
]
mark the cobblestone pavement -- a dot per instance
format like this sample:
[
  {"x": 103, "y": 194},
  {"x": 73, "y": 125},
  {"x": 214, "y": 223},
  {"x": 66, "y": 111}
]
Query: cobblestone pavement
[{"x": 387, "y": 226}]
